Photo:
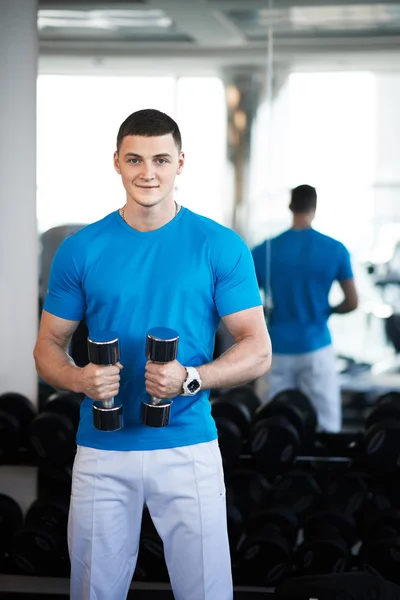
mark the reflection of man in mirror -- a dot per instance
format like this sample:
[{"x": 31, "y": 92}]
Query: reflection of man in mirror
[{"x": 296, "y": 270}]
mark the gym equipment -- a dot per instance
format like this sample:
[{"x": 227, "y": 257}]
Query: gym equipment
[
  {"x": 16, "y": 413},
  {"x": 54, "y": 481},
  {"x": 161, "y": 347},
  {"x": 151, "y": 559},
  {"x": 382, "y": 434},
  {"x": 52, "y": 434},
  {"x": 346, "y": 493},
  {"x": 40, "y": 547},
  {"x": 265, "y": 554},
  {"x": 233, "y": 412},
  {"x": 11, "y": 519},
  {"x": 247, "y": 490},
  {"x": 329, "y": 536},
  {"x": 299, "y": 490},
  {"x": 281, "y": 429},
  {"x": 380, "y": 550},
  {"x": 103, "y": 349}
]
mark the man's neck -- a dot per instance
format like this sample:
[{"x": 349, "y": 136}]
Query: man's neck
[
  {"x": 146, "y": 219},
  {"x": 302, "y": 222}
]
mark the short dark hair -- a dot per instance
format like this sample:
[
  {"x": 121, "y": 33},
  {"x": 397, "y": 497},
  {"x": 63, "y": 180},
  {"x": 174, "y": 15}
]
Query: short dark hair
[
  {"x": 149, "y": 123},
  {"x": 303, "y": 199}
]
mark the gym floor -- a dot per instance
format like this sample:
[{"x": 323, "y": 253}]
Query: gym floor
[{"x": 44, "y": 588}]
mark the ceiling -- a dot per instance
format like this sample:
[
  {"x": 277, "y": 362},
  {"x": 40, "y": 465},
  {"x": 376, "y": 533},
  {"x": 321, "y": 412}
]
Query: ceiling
[{"x": 215, "y": 34}]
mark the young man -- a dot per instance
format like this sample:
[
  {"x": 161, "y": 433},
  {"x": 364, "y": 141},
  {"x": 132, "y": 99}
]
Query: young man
[
  {"x": 152, "y": 263},
  {"x": 296, "y": 270}
]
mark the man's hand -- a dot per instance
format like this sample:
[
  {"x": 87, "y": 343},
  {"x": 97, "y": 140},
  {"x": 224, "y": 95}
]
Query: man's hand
[
  {"x": 99, "y": 382},
  {"x": 164, "y": 380}
]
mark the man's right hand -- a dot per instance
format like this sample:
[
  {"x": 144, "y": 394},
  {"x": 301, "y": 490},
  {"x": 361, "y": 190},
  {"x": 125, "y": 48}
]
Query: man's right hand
[{"x": 99, "y": 382}]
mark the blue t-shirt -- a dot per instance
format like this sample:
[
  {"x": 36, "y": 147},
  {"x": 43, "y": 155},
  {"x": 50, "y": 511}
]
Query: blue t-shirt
[
  {"x": 184, "y": 276},
  {"x": 303, "y": 264}
]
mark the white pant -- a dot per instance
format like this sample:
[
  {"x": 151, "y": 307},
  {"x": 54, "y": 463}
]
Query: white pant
[
  {"x": 315, "y": 375},
  {"x": 184, "y": 491}
]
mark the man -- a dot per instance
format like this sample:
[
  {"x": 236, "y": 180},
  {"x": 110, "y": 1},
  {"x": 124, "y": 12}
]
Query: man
[
  {"x": 152, "y": 263},
  {"x": 296, "y": 270}
]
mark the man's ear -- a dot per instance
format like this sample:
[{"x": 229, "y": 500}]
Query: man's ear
[
  {"x": 116, "y": 163},
  {"x": 181, "y": 163}
]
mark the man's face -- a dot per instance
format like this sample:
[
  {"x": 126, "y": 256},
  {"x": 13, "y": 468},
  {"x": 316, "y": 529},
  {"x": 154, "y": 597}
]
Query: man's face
[{"x": 148, "y": 167}]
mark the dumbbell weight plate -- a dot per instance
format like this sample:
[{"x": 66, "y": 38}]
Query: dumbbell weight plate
[
  {"x": 380, "y": 550},
  {"x": 296, "y": 407},
  {"x": 282, "y": 518},
  {"x": 387, "y": 408},
  {"x": 274, "y": 444},
  {"x": 329, "y": 536},
  {"x": 225, "y": 407},
  {"x": 346, "y": 493},
  {"x": 299, "y": 490},
  {"x": 382, "y": 445},
  {"x": 16, "y": 413},
  {"x": 11, "y": 519},
  {"x": 53, "y": 432},
  {"x": 230, "y": 441},
  {"x": 40, "y": 547},
  {"x": 264, "y": 559},
  {"x": 247, "y": 489}
]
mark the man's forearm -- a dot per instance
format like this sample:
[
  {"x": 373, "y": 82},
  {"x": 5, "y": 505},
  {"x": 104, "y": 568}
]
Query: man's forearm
[
  {"x": 56, "y": 367},
  {"x": 343, "y": 308},
  {"x": 242, "y": 363}
]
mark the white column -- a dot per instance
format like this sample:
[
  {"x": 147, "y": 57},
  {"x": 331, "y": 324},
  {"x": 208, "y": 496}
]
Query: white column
[{"x": 18, "y": 230}]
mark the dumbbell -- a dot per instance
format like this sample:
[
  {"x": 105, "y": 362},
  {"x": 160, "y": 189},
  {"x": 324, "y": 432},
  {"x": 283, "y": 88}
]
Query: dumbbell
[
  {"x": 380, "y": 550},
  {"x": 281, "y": 429},
  {"x": 329, "y": 536},
  {"x": 246, "y": 490},
  {"x": 382, "y": 434},
  {"x": 233, "y": 412},
  {"x": 52, "y": 433},
  {"x": 161, "y": 347},
  {"x": 265, "y": 554},
  {"x": 151, "y": 559},
  {"x": 11, "y": 519},
  {"x": 16, "y": 413},
  {"x": 103, "y": 349},
  {"x": 299, "y": 490},
  {"x": 40, "y": 547}
]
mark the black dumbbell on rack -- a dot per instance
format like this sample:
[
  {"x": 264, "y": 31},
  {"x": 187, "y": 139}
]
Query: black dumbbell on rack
[
  {"x": 16, "y": 414},
  {"x": 52, "y": 433},
  {"x": 329, "y": 536},
  {"x": 161, "y": 347},
  {"x": 265, "y": 554},
  {"x": 103, "y": 350},
  {"x": 282, "y": 429},
  {"x": 11, "y": 519},
  {"x": 40, "y": 547},
  {"x": 380, "y": 549},
  {"x": 382, "y": 434},
  {"x": 233, "y": 412}
]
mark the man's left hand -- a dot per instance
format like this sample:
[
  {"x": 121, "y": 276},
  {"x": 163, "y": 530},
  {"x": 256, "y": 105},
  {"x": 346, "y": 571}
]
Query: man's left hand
[{"x": 164, "y": 380}]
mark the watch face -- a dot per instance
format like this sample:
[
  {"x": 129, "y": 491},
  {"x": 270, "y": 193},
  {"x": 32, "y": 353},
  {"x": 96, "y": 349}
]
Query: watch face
[{"x": 193, "y": 386}]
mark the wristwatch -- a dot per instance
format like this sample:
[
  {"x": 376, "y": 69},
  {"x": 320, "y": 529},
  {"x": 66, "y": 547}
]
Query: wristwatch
[{"x": 192, "y": 383}]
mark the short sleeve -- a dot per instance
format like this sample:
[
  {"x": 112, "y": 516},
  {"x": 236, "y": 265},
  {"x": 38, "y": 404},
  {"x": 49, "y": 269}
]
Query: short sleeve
[
  {"x": 345, "y": 270},
  {"x": 65, "y": 297},
  {"x": 236, "y": 282},
  {"x": 260, "y": 260}
]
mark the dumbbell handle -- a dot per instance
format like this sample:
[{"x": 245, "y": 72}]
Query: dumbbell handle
[{"x": 108, "y": 403}]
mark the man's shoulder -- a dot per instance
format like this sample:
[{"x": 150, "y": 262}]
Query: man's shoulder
[
  {"x": 328, "y": 241},
  {"x": 212, "y": 229},
  {"x": 86, "y": 233}
]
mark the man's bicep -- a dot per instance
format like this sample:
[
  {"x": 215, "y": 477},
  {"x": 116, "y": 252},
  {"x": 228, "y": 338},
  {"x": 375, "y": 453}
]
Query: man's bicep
[
  {"x": 246, "y": 323},
  {"x": 56, "y": 329}
]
